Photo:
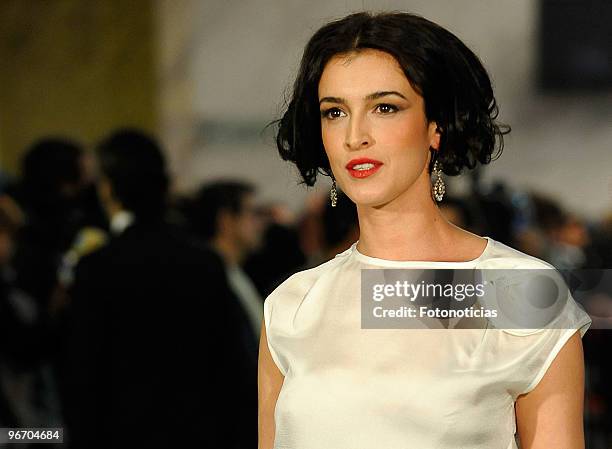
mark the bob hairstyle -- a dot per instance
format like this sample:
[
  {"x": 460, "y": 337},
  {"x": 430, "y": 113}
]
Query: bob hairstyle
[{"x": 455, "y": 86}]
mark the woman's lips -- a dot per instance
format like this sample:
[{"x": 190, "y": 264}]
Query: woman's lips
[
  {"x": 364, "y": 173},
  {"x": 360, "y": 162}
]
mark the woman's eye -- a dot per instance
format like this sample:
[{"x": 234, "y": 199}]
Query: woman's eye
[
  {"x": 386, "y": 108},
  {"x": 332, "y": 113}
]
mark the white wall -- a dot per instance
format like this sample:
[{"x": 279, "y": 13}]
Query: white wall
[{"x": 224, "y": 67}]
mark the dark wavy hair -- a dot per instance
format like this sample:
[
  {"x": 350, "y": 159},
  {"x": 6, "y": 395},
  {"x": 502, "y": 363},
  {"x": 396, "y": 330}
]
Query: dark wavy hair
[{"x": 455, "y": 86}]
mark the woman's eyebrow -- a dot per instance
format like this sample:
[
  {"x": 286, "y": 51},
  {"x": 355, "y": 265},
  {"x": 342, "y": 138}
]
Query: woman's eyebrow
[
  {"x": 377, "y": 95},
  {"x": 332, "y": 100},
  {"x": 372, "y": 96}
]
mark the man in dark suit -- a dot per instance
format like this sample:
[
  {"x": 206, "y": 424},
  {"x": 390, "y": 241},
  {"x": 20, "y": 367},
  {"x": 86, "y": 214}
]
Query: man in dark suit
[
  {"x": 224, "y": 214},
  {"x": 153, "y": 356}
]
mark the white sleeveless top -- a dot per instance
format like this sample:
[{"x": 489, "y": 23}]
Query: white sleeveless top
[{"x": 348, "y": 387}]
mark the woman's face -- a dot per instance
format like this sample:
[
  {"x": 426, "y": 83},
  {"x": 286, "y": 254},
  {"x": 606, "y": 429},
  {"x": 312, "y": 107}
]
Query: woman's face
[{"x": 369, "y": 110}]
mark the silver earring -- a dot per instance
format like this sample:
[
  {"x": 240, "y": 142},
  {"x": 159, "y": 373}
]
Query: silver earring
[
  {"x": 439, "y": 188},
  {"x": 333, "y": 194}
]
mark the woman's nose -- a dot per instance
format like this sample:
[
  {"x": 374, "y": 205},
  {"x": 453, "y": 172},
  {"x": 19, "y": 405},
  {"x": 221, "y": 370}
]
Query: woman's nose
[{"x": 358, "y": 135}]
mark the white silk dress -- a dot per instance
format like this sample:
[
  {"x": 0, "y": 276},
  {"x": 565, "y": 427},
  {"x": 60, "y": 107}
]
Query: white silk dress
[{"x": 346, "y": 387}]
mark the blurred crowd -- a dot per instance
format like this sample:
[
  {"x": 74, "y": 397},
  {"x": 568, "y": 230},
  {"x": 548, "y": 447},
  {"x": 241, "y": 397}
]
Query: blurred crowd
[{"x": 131, "y": 315}]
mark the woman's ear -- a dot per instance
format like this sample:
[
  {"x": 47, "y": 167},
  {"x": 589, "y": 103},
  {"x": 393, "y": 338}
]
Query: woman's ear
[
  {"x": 435, "y": 133},
  {"x": 436, "y": 141}
]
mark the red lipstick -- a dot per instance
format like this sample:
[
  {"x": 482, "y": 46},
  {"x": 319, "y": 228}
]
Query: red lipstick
[{"x": 363, "y": 172}]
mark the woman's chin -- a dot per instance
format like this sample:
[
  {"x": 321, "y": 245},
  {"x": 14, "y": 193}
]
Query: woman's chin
[{"x": 373, "y": 199}]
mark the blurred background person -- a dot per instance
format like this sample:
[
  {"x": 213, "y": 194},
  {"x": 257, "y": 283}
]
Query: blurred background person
[
  {"x": 225, "y": 216},
  {"x": 150, "y": 358},
  {"x": 50, "y": 195}
]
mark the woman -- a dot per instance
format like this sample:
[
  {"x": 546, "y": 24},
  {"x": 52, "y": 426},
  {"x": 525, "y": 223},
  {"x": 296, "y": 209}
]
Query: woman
[{"x": 383, "y": 103}]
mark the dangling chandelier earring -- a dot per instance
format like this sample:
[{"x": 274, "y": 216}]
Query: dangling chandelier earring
[
  {"x": 439, "y": 188},
  {"x": 333, "y": 194}
]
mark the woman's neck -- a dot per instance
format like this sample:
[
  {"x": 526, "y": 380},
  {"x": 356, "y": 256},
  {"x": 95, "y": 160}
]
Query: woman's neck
[{"x": 411, "y": 227}]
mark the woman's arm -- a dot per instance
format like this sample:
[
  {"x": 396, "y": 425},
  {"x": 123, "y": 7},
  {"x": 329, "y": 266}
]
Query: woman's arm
[
  {"x": 551, "y": 415},
  {"x": 269, "y": 380}
]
